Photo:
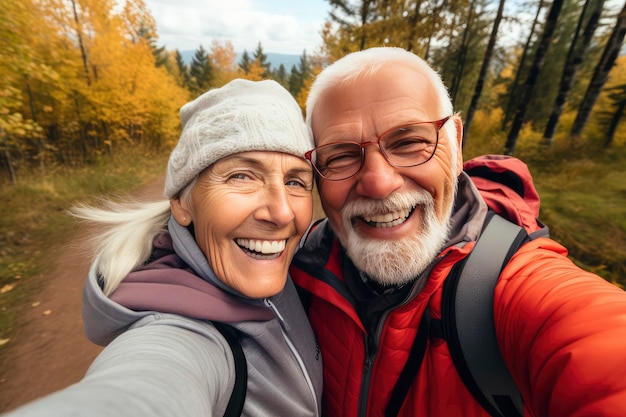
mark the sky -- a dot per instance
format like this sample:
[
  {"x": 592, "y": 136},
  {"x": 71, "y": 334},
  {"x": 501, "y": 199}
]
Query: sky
[{"x": 282, "y": 26}]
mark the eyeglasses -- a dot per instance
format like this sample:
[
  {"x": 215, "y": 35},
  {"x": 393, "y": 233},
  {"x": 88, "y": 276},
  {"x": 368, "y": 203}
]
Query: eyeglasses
[{"x": 403, "y": 146}]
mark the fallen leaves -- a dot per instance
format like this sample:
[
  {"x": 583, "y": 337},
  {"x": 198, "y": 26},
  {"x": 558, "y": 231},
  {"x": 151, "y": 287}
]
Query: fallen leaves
[{"x": 8, "y": 287}]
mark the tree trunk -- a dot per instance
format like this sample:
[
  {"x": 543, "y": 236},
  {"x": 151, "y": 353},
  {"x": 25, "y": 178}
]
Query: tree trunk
[
  {"x": 533, "y": 75},
  {"x": 427, "y": 51},
  {"x": 483, "y": 72},
  {"x": 518, "y": 75},
  {"x": 456, "y": 81},
  {"x": 617, "y": 116},
  {"x": 82, "y": 131},
  {"x": 40, "y": 143},
  {"x": 573, "y": 62},
  {"x": 80, "y": 43},
  {"x": 413, "y": 26},
  {"x": 600, "y": 74},
  {"x": 365, "y": 10},
  {"x": 7, "y": 158}
]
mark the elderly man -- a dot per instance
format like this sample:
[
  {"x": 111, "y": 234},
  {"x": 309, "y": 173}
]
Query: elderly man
[{"x": 401, "y": 213}]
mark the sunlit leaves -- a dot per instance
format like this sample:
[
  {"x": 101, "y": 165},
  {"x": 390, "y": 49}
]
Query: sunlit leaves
[{"x": 79, "y": 76}]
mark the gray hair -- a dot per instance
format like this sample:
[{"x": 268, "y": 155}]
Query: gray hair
[
  {"x": 368, "y": 62},
  {"x": 125, "y": 235}
]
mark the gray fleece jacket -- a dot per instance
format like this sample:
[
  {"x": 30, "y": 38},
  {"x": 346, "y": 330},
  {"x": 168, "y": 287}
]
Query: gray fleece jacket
[{"x": 163, "y": 357}]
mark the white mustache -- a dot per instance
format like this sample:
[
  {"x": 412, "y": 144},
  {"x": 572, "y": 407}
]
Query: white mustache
[{"x": 394, "y": 207}]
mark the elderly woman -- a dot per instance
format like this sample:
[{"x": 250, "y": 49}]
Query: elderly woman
[{"x": 166, "y": 274}]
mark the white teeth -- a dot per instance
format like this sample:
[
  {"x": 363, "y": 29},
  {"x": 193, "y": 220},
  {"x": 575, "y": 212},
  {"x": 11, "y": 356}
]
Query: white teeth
[
  {"x": 388, "y": 219},
  {"x": 263, "y": 246}
]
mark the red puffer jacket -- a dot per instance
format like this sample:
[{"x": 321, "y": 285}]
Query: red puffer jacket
[{"x": 561, "y": 330}]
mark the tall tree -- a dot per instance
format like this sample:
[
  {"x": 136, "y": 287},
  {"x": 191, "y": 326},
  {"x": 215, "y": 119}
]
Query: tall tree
[
  {"x": 459, "y": 61},
  {"x": 200, "y": 71},
  {"x": 255, "y": 72},
  {"x": 414, "y": 16},
  {"x": 79, "y": 37},
  {"x": 547, "y": 85},
  {"x": 280, "y": 76},
  {"x": 158, "y": 52},
  {"x": 246, "y": 62},
  {"x": 142, "y": 27},
  {"x": 16, "y": 21},
  {"x": 183, "y": 71},
  {"x": 591, "y": 13},
  {"x": 533, "y": 74},
  {"x": 617, "y": 96},
  {"x": 360, "y": 15},
  {"x": 261, "y": 58},
  {"x": 223, "y": 57},
  {"x": 300, "y": 74},
  {"x": 514, "y": 90},
  {"x": 352, "y": 22},
  {"x": 463, "y": 52},
  {"x": 295, "y": 81},
  {"x": 483, "y": 72},
  {"x": 601, "y": 73}
]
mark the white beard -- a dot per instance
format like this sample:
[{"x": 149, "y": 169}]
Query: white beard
[{"x": 396, "y": 262}]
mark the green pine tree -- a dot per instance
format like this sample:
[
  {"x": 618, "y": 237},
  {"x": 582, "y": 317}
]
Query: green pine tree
[{"x": 200, "y": 71}]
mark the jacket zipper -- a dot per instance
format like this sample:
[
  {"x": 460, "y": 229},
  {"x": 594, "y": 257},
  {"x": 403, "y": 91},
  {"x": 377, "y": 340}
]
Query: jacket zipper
[
  {"x": 371, "y": 344},
  {"x": 365, "y": 378},
  {"x": 295, "y": 353}
]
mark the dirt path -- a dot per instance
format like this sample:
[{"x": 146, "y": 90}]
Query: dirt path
[{"x": 50, "y": 351}]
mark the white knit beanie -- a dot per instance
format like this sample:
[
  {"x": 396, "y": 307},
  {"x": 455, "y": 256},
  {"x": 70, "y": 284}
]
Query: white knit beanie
[{"x": 238, "y": 117}]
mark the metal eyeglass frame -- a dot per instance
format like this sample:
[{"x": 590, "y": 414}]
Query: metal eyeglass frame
[{"x": 437, "y": 123}]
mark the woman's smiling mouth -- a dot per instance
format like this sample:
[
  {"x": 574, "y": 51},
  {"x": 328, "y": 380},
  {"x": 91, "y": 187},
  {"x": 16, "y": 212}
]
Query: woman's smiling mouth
[{"x": 262, "y": 249}]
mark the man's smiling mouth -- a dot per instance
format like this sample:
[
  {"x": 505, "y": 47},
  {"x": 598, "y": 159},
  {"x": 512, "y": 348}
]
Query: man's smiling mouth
[{"x": 392, "y": 219}]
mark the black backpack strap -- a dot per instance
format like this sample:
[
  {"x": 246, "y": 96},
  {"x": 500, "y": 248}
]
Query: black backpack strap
[
  {"x": 416, "y": 356},
  {"x": 467, "y": 311},
  {"x": 238, "y": 396}
]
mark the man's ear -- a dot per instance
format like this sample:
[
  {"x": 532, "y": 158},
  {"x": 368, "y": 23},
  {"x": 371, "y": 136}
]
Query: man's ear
[
  {"x": 458, "y": 123},
  {"x": 180, "y": 211}
]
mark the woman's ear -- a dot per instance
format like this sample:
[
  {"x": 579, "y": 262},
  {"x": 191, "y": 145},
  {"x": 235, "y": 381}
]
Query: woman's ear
[{"x": 180, "y": 211}]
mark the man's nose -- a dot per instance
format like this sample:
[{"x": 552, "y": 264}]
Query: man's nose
[{"x": 377, "y": 178}]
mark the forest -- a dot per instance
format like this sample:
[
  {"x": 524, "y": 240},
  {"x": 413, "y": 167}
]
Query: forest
[
  {"x": 84, "y": 78},
  {"x": 86, "y": 87}
]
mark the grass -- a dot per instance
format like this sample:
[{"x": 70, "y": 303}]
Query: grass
[
  {"x": 34, "y": 220},
  {"x": 582, "y": 187},
  {"x": 584, "y": 204}
]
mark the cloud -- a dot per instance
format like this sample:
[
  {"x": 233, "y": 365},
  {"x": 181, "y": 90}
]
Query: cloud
[{"x": 187, "y": 24}]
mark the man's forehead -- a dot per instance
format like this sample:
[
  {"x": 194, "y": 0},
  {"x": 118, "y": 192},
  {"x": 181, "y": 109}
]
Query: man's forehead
[
  {"x": 391, "y": 81},
  {"x": 375, "y": 104}
]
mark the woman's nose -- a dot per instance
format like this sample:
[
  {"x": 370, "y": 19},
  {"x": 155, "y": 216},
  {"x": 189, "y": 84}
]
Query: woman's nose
[{"x": 277, "y": 208}]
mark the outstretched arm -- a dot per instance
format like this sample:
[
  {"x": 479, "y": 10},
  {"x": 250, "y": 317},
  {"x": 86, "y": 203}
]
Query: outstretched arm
[
  {"x": 562, "y": 332},
  {"x": 157, "y": 369}
]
